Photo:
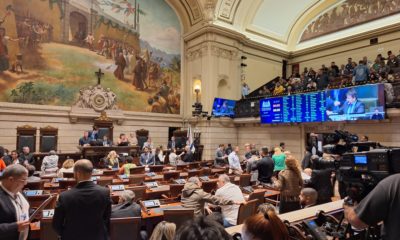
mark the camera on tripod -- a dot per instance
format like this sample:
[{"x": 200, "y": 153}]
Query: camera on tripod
[{"x": 198, "y": 110}]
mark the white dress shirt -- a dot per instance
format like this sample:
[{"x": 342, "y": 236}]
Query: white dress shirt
[
  {"x": 234, "y": 162},
  {"x": 231, "y": 192}
]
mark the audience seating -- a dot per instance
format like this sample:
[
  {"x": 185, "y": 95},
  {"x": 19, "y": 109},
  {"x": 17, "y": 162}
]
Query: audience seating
[
  {"x": 205, "y": 171},
  {"x": 156, "y": 168},
  {"x": 192, "y": 173},
  {"x": 175, "y": 190},
  {"x": 209, "y": 186},
  {"x": 125, "y": 228},
  {"x": 110, "y": 172},
  {"x": 38, "y": 185},
  {"x": 244, "y": 180},
  {"x": 48, "y": 139},
  {"x": 137, "y": 179},
  {"x": 171, "y": 175},
  {"x": 140, "y": 191},
  {"x": 178, "y": 216},
  {"x": 137, "y": 170},
  {"x": 259, "y": 195},
  {"x": 246, "y": 210}
]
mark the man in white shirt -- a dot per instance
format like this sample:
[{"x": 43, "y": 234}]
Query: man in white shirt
[
  {"x": 14, "y": 208},
  {"x": 234, "y": 162},
  {"x": 229, "y": 191}
]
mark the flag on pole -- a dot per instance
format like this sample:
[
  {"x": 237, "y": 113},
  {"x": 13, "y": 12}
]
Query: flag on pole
[{"x": 190, "y": 141}]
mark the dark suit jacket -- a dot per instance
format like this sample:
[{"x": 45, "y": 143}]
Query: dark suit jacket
[
  {"x": 188, "y": 157},
  {"x": 265, "y": 168},
  {"x": 125, "y": 210},
  {"x": 321, "y": 181},
  {"x": 170, "y": 145},
  {"x": 29, "y": 157},
  {"x": 306, "y": 163},
  {"x": 359, "y": 107},
  {"x": 146, "y": 160},
  {"x": 8, "y": 220},
  {"x": 83, "y": 213}
]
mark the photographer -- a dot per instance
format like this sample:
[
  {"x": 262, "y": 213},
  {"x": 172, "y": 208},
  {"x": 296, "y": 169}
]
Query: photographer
[{"x": 381, "y": 204}]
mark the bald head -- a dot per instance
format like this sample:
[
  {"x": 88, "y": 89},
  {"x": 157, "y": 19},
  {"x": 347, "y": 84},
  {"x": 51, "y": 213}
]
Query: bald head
[
  {"x": 308, "y": 196},
  {"x": 83, "y": 170}
]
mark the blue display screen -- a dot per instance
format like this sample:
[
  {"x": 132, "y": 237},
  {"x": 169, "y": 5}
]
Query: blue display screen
[
  {"x": 362, "y": 102},
  {"x": 223, "y": 107},
  {"x": 360, "y": 159},
  {"x": 294, "y": 108}
]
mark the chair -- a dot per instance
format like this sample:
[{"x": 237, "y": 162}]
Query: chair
[
  {"x": 26, "y": 136},
  {"x": 141, "y": 136},
  {"x": 156, "y": 168},
  {"x": 38, "y": 185},
  {"x": 46, "y": 229},
  {"x": 68, "y": 175},
  {"x": 178, "y": 216},
  {"x": 104, "y": 125},
  {"x": 192, "y": 173},
  {"x": 104, "y": 181},
  {"x": 246, "y": 210},
  {"x": 259, "y": 195},
  {"x": 136, "y": 179},
  {"x": 125, "y": 228},
  {"x": 64, "y": 184},
  {"x": 209, "y": 186},
  {"x": 175, "y": 190},
  {"x": 48, "y": 139},
  {"x": 171, "y": 175},
  {"x": 244, "y": 180},
  {"x": 137, "y": 170},
  {"x": 140, "y": 191}
]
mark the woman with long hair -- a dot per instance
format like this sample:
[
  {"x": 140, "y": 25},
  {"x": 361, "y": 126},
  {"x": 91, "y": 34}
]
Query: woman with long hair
[
  {"x": 164, "y": 231},
  {"x": 290, "y": 184},
  {"x": 264, "y": 226},
  {"x": 112, "y": 161}
]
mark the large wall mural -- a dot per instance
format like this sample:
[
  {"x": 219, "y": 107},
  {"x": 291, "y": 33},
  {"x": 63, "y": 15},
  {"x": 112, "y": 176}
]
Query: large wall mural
[
  {"x": 51, "y": 49},
  {"x": 348, "y": 14}
]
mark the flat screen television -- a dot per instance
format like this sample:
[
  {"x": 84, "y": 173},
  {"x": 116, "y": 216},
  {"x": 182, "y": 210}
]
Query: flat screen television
[
  {"x": 223, "y": 107},
  {"x": 356, "y": 103}
]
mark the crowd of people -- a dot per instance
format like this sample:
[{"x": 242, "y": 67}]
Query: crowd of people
[{"x": 382, "y": 69}]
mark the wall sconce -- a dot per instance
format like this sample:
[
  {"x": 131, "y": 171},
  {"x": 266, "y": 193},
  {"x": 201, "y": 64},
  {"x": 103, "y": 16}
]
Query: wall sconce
[{"x": 197, "y": 89}]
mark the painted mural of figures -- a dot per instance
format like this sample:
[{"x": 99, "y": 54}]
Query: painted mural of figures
[
  {"x": 89, "y": 41},
  {"x": 100, "y": 44},
  {"x": 146, "y": 62},
  {"x": 132, "y": 62},
  {"x": 4, "y": 63},
  {"x": 121, "y": 64},
  {"x": 138, "y": 74}
]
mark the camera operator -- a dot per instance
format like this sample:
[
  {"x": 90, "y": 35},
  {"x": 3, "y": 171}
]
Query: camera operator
[{"x": 381, "y": 204}]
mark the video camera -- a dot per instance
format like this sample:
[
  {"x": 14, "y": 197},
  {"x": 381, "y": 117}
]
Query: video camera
[{"x": 198, "y": 110}]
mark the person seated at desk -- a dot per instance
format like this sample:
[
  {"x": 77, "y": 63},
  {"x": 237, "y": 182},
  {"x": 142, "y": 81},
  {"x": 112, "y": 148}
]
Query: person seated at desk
[
  {"x": 146, "y": 158},
  {"x": 351, "y": 106},
  {"x": 26, "y": 157},
  {"x": 133, "y": 139},
  {"x": 68, "y": 167},
  {"x": 50, "y": 163},
  {"x": 308, "y": 197},
  {"x": 126, "y": 206},
  {"x": 123, "y": 140},
  {"x": 31, "y": 172},
  {"x": 264, "y": 226},
  {"x": 188, "y": 157},
  {"x": 234, "y": 162},
  {"x": 112, "y": 160},
  {"x": 85, "y": 140},
  {"x": 159, "y": 155},
  {"x": 94, "y": 134},
  {"x": 377, "y": 115},
  {"x": 125, "y": 169},
  {"x": 265, "y": 167},
  {"x": 106, "y": 142},
  {"x": 14, "y": 158},
  {"x": 193, "y": 196}
]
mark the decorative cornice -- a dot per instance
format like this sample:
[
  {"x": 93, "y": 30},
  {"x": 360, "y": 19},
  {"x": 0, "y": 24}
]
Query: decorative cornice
[
  {"x": 223, "y": 52},
  {"x": 193, "y": 54}
]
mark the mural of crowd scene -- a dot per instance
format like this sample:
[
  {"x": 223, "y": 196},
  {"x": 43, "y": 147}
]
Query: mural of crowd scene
[
  {"x": 348, "y": 14},
  {"x": 51, "y": 49}
]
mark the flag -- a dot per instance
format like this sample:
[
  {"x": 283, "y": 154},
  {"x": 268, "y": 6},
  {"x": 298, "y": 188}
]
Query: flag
[{"x": 190, "y": 141}]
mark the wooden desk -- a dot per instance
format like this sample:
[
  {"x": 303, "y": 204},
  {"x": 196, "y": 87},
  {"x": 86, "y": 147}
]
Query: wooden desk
[
  {"x": 100, "y": 151},
  {"x": 299, "y": 215}
]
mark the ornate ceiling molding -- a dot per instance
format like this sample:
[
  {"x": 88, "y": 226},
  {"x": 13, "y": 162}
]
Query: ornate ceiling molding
[
  {"x": 227, "y": 10},
  {"x": 193, "y": 10},
  {"x": 223, "y": 52}
]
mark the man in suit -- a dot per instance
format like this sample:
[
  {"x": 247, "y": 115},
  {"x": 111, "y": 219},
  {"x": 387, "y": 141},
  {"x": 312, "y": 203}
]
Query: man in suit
[
  {"x": 220, "y": 156},
  {"x": 351, "y": 106},
  {"x": 14, "y": 209},
  {"x": 94, "y": 134},
  {"x": 172, "y": 143},
  {"x": 85, "y": 140},
  {"x": 265, "y": 167},
  {"x": 308, "y": 197},
  {"x": 188, "y": 157},
  {"x": 126, "y": 206},
  {"x": 26, "y": 157},
  {"x": 83, "y": 213},
  {"x": 146, "y": 158}
]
